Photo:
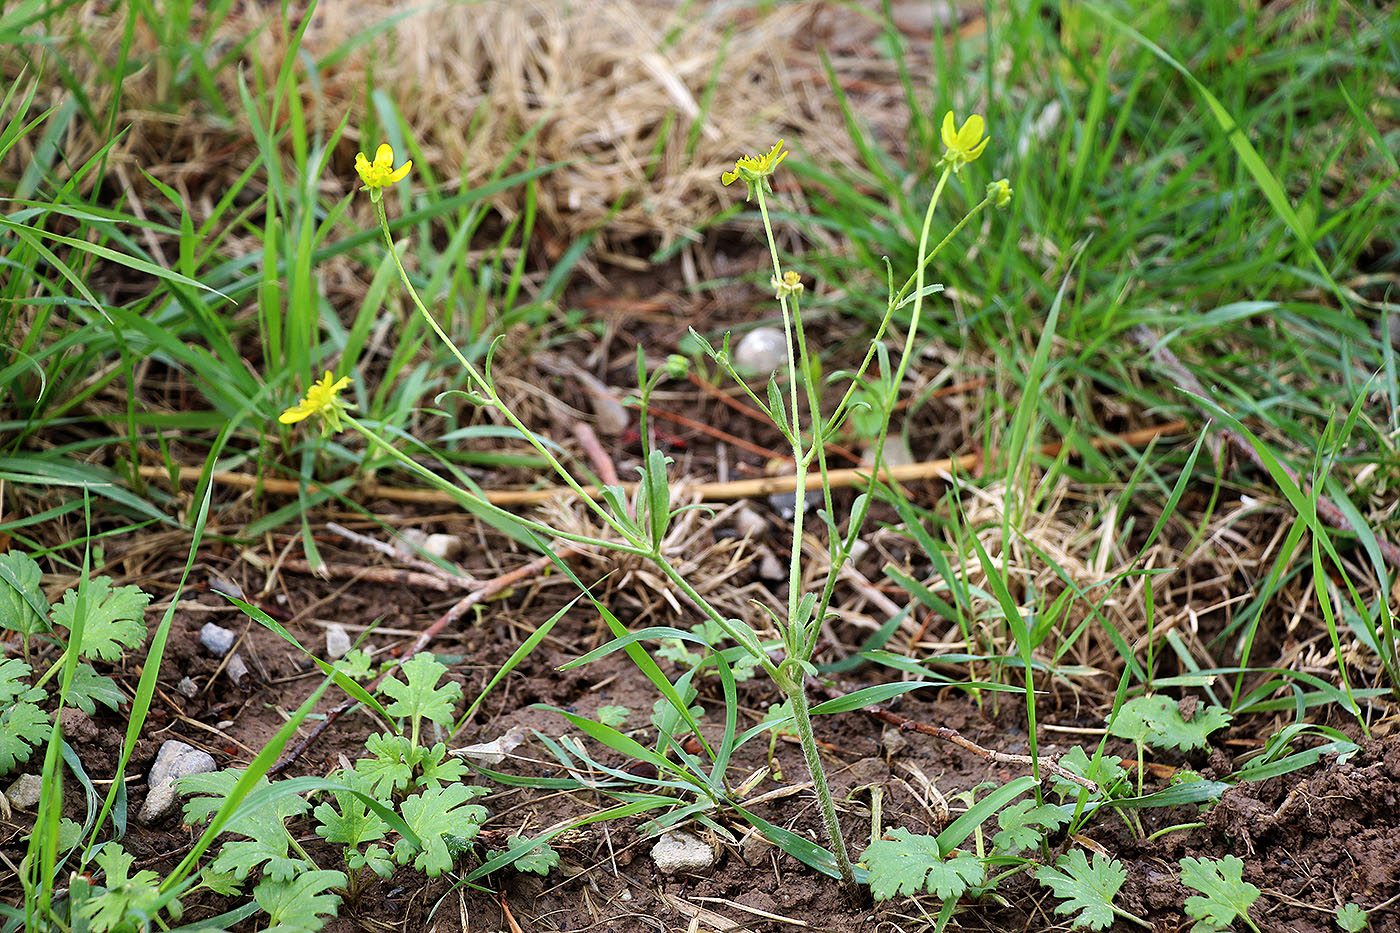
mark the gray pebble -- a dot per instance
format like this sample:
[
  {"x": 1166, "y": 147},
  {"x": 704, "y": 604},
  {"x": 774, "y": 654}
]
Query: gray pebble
[
  {"x": 25, "y": 792},
  {"x": 188, "y": 687},
  {"x": 175, "y": 760},
  {"x": 217, "y": 639},
  {"x": 749, "y": 524}
]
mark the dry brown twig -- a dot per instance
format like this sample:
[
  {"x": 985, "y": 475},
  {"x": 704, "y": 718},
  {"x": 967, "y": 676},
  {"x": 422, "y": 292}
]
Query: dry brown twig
[{"x": 706, "y": 492}]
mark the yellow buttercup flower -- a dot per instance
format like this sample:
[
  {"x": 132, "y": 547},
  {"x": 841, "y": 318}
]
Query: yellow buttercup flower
[
  {"x": 999, "y": 192},
  {"x": 964, "y": 143},
  {"x": 789, "y": 285},
  {"x": 323, "y": 399},
  {"x": 381, "y": 172},
  {"x": 755, "y": 170}
]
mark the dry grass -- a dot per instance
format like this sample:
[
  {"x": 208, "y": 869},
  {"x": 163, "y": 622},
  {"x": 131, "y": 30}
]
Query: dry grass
[{"x": 647, "y": 103}]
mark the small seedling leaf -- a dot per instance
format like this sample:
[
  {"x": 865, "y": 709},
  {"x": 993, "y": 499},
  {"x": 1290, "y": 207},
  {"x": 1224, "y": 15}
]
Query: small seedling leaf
[
  {"x": 1087, "y": 888},
  {"x": 421, "y": 696},
  {"x": 906, "y": 863},
  {"x": 1351, "y": 918},
  {"x": 90, "y": 688},
  {"x": 1157, "y": 721},
  {"x": 1225, "y": 894},
  {"x": 1024, "y": 824},
  {"x": 615, "y": 716},
  {"x": 115, "y": 618},
  {"x": 300, "y": 904},
  {"x": 440, "y": 816},
  {"x": 22, "y": 726},
  {"x": 23, "y": 608}
]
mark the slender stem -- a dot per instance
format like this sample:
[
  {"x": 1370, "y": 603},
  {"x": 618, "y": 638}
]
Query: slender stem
[
  {"x": 483, "y": 504},
  {"x": 792, "y": 682},
  {"x": 792, "y": 638},
  {"x": 485, "y": 386},
  {"x": 799, "y": 645}
]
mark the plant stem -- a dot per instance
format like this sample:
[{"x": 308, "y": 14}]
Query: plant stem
[{"x": 791, "y": 681}]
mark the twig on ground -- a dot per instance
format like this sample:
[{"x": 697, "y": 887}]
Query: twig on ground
[
  {"x": 1326, "y": 508},
  {"x": 905, "y": 724},
  {"x": 486, "y": 590},
  {"x": 398, "y": 553},
  {"x": 588, "y": 440},
  {"x": 707, "y": 492},
  {"x": 427, "y": 581}
]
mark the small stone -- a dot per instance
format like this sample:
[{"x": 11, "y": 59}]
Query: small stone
[
  {"x": 858, "y": 550},
  {"x": 894, "y": 741},
  {"x": 237, "y": 671},
  {"x": 338, "y": 642},
  {"x": 188, "y": 687},
  {"x": 217, "y": 639},
  {"x": 77, "y": 725},
  {"x": 749, "y": 524},
  {"x": 445, "y": 546},
  {"x": 175, "y": 760},
  {"x": 680, "y": 851},
  {"x": 770, "y": 568},
  {"x": 754, "y": 847},
  {"x": 785, "y": 503},
  {"x": 760, "y": 352},
  {"x": 25, "y": 792}
]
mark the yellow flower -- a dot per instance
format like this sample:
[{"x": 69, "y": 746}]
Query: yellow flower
[
  {"x": 755, "y": 170},
  {"x": 789, "y": 285},
  {"x": 999, "y": 193},
  {"x": 381, "y": 172},
  {"x": 964, "y": 144},
  {"x": 323, "y": 398}
]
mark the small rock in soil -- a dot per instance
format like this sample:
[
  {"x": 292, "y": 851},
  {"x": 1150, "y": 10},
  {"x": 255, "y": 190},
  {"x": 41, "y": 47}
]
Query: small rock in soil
[
  {"x": 77, "y": 725},
  {"x": 761, "y": 351},
  {"x": 749, "y": 524},
  {"x": 770, "y": 568},
  {"x": 445, "y": 546},
  {"x": 338, "y": 642},
  {"x": 680, "y": 851},
  {"x": 187, "y": 687},
  {"x": 754, "y": 847},
  {"x": 217, "y": 639},
  {"x": 438, "y": 545},
  {"x": 25, "y": 792},
  {"x": 785, "y": 503},
  {"x": 174, "y": 760}
]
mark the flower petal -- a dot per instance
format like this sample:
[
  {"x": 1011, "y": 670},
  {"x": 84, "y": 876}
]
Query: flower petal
[
  {"x": 949, "y": 132},
  {"x": 971, "y": 131},
  {"x": 400, "y": 173},
  {"x": 384, "y": 157}
]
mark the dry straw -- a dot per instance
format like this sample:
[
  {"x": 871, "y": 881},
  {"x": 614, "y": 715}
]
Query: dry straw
[{"x": 647, "y": 101}]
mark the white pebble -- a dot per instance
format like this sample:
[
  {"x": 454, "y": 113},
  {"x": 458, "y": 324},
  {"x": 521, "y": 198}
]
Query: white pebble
[
  {"x": 680, "y": 851},
  {"x": 338, "y": 642},
  {"x": 175, "y": 760},
  {"x": 760, "y": 352},
  {"x": 217, "y": 639},
  {"x": 187, "y": 687}
]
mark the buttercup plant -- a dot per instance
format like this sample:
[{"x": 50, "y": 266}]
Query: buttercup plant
[{"x": 641, "y": 525}]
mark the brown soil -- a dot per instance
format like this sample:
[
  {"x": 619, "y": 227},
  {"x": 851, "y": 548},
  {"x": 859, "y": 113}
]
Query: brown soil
[{"x": 1315, "y": 839}]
